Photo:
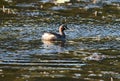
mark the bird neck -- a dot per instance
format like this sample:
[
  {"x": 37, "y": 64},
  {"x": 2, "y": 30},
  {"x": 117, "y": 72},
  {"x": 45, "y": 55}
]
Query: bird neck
[{"x": 62, "y": 33}]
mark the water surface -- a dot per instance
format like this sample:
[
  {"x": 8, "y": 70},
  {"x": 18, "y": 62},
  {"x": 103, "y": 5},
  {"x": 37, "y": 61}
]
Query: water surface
[{"x": 91, "y": 51}]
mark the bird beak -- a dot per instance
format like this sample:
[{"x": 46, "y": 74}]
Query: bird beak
[{"x": 66, "y": 28}]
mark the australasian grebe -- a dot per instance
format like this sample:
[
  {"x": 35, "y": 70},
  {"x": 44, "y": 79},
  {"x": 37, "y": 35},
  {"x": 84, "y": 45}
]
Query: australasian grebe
[{"x": 50, "y": 36}]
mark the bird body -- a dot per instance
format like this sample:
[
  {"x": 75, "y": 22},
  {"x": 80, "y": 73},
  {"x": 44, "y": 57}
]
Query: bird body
[{"x": 51, "y": 36}]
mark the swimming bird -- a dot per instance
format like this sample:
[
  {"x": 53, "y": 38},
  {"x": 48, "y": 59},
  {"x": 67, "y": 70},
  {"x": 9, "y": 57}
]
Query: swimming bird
[{"x": 51, "y": 36}]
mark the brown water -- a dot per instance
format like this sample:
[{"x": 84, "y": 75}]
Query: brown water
[{"x": 91, "y": 51}]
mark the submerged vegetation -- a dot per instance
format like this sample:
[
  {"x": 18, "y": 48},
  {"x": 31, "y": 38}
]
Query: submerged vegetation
[{"x": 73, "y": 10}]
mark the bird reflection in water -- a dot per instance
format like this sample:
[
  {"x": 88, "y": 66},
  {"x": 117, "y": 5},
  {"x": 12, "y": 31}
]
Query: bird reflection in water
[{"x": 53, "y": 46}]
